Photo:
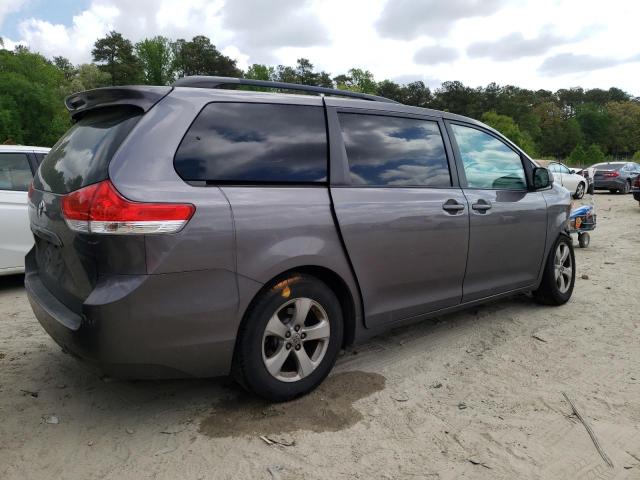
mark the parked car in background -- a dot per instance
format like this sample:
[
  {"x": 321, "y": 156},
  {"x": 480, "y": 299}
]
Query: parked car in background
[
  {"x": 200, "y": 231},
  {"x": 17, "y": 166},
  {"x": 587, "y": 173},
  {"x": 635, "y": 188},
  {"x": 567, "y": 177},
  {"x": 615, "y": 176}
]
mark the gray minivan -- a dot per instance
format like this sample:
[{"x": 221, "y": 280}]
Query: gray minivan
[{"x": 200, "y": 231}]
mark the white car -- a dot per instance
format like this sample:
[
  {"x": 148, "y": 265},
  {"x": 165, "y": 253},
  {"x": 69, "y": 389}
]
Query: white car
[
  {"x": 17, "y": 166},
  {"x": 568, "y": 178}
]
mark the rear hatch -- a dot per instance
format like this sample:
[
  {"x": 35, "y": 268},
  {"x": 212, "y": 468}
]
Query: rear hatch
[{"x": 69, "y": 263}]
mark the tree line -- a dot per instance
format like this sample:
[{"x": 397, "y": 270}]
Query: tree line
[{"x": 578, "y": 125}]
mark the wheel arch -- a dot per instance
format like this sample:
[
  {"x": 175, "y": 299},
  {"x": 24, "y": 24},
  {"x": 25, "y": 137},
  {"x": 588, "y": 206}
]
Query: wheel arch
[{"x": 330, "y": 278}]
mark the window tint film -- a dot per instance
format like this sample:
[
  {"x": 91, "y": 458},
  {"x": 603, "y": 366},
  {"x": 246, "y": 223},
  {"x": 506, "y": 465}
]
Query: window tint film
[
  {"x": 81, "y": 157},
  {"x": 394, "y": 151},
  {"x": 15, "y": 173},
  {"x": 488, "y": 163},
  {"x": 250, "y": 142}
]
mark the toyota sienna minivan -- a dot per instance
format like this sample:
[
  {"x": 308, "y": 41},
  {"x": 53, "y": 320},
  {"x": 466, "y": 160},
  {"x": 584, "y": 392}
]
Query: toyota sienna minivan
[{"x": 200, "y": 231}]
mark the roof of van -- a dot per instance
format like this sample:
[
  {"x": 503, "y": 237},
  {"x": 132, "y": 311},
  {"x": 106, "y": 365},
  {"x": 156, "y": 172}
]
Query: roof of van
[{"x": 23, "y": 148}]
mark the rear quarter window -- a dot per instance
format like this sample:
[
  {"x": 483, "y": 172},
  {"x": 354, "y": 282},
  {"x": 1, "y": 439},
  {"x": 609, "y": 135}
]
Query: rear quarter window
[
  {"x": 255, "y": 143},
  {"x": 81, "y": 157}
]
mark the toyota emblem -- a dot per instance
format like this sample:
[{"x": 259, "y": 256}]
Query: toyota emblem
[{"x": 41, "y": 208}]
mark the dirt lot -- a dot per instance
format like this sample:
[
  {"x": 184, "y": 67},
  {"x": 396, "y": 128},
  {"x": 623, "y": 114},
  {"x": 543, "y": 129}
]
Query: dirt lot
[{"x": 476, "y": 394}]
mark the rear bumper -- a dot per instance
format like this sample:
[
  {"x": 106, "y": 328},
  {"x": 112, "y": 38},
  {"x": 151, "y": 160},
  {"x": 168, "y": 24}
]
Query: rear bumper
[
  {"x": 608, "y": 184},
  {"x": 146, "y": 326}
]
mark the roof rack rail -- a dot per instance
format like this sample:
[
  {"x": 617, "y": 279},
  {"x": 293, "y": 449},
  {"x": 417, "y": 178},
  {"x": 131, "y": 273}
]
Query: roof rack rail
[{"x": 199, "y": 81}]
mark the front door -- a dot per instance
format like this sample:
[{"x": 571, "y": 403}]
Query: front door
[
  {"x": 405, "y": 226},
  {"x": 508, "y": 221}
]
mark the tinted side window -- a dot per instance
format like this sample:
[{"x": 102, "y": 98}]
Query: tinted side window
[
  {"x": 15, "y": 172},
  {"x": 394, "y": 151},
  {"x": 251, "y": 142},
  {"x": 488, "y": 163}
]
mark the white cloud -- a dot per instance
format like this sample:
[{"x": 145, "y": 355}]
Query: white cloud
[
  {"x": 386, "y": 37},
  {"x": 9, "y": 6}
]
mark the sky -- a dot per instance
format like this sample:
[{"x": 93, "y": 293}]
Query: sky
[{"x": 548, "y": 44}]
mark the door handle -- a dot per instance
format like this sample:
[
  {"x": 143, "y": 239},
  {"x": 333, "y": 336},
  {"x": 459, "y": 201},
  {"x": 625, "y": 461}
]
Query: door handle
[
  {"x": 481, "y": 206},
  {"x": 453, "y": 207}
]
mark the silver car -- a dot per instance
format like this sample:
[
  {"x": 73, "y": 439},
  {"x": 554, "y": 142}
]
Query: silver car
[{"x": 201, "y": 231}]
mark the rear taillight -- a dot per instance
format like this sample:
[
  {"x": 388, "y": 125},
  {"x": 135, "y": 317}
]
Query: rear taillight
[
  {"x": 30, "y": 192},
  {"x": 99, "y": 208},
  {"x": 611, "y": 174}
]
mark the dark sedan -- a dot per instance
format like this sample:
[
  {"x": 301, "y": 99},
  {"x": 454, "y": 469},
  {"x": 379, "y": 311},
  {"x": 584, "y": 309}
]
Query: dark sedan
[{"x": 615, "y": 176}]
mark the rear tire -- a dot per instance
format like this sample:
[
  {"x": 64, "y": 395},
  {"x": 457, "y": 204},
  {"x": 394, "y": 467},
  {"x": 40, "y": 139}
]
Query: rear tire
[
  {"x": 554, "y": 290},
  {"x": 276, "y": 358}
]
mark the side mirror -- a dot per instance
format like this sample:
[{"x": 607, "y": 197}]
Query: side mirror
[
  {"x": 542, "y": 178},
  {"x": 572, "y": 170}
]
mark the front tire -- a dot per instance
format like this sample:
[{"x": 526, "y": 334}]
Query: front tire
[
  {"x": 627, "y": 188},
  {"x": 579, "y": 191},
  {"x": 559, "y": 274},
  {"x": 290, "y": 339}
]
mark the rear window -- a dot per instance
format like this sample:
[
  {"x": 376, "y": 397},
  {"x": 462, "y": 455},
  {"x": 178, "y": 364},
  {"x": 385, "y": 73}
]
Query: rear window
[
  {"x": 15, "y": 172},
  {"x": 609, "y": 166},
  {"x": 255, "y": 143},
  {"x": 81, "y": 157}
]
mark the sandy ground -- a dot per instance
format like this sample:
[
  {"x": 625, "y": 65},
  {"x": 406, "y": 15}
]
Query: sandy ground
[{"x": 476, "y": 394}]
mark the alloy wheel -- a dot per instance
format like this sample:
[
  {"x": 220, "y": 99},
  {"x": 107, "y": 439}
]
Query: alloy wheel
[
  {"x": 563, "y": 267},
  {"x": 295, "y": 339}
]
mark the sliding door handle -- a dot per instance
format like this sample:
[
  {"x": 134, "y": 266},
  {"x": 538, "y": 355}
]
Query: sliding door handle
[{"x": 453, "y": 207}]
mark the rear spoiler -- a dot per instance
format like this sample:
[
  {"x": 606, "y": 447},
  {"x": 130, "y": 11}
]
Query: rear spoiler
[{"x": 143, "y": 97}]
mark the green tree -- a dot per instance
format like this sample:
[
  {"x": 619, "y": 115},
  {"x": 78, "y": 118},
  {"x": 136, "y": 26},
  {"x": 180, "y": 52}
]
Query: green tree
[
  {"x": 558, "y": 135},
  {"x": 357, "y": 80},
  {"x": 595, "y": 123},
  {"x": 593, "y": 154},
  {"x": 508, "y": 127},
  {"x": 624, "y": 133},
  {"x": 65, "y": 66},
  {"x": 200, "y": 57},
  {"x": 636, "y": 156},
  {"x": 155, "y": 56},
  {"x": 578, "y": 156},
  {"x": 88, "y": 76},
  {"x": 260, "y": 72},
  {"x": 114, "y": 53},
  {"x": 31, "y": 102},
  {"x": 391, "y": 90},
  {"x": 455, "y": 97},
  {"x": 417, "y": 94}
]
